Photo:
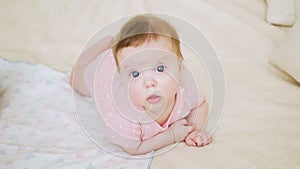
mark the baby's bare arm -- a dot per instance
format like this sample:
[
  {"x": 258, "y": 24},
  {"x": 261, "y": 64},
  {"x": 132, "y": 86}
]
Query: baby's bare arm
[
  {"x": 175, "y": 133},
  {"x": 89, "y": 55},
  {"x": 198, "y": 116}
]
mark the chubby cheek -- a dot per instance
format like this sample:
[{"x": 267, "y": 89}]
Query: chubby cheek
[
  {"x": 169, "y": 86},
  {"x": 136, "y": 93}
]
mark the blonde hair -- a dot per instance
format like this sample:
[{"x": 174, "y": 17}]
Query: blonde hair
[{"x": 143, "y": 28}]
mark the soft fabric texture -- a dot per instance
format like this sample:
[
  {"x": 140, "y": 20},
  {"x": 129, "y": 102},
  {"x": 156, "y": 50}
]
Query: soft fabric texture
[
  {"x": 128, "y": 125},
  {"x": 260, "y": 126},
  {"x": 281, "y": 12},
  {"x": 287, "y": 56},
  {"x": 39, "y": 126}
]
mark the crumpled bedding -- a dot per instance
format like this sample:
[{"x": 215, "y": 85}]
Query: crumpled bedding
[
  {"x": 39, "y": 125},
  {"x": 260, "y": 126}
]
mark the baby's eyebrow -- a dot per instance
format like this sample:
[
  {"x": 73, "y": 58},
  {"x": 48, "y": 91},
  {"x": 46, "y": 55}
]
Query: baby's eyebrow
[
  {"x": 126, "y": 67},
  {"x": 164, "y": 58}
]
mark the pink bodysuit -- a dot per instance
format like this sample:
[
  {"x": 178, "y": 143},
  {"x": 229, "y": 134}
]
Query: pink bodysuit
[{"x": 128, "y": 125}]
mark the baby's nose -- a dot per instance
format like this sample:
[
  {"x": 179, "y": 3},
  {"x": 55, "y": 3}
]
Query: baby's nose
[
  {"x": 150, "y": 83},
  {"x": 149, "y": 79}
]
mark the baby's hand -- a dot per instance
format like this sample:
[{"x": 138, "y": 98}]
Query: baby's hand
[
  {"x": 180, "y": 129},
  {"x": 198, "y": 138}
]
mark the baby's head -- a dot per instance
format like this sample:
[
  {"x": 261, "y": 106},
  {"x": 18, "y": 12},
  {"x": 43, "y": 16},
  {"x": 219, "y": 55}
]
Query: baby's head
[
  {"x": 148, "y": 56},
  {"x": 145, "y": 29}
]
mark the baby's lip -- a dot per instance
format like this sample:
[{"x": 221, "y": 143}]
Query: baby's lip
[{"x": 152, "y": 99}]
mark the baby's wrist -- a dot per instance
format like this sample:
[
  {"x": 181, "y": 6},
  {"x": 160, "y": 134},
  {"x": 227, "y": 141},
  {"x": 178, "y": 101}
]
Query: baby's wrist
[
  {"x": 172, "y": 135},
  {"x": 198, "y": 128}
]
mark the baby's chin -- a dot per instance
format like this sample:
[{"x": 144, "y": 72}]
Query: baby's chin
[{"x": 155, "y": 112}]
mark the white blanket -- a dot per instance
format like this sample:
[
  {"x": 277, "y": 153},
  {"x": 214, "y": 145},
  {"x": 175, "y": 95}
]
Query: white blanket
[{"x": 38, "y": 124}]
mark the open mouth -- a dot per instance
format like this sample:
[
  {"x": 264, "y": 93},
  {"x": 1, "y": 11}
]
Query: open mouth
[{"x": 153, "y": 99}]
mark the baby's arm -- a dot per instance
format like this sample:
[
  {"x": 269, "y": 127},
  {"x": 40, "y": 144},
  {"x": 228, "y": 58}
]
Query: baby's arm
[
  {"x": 175, "y": 133},
  {"x": 89, "y": 55},
  {"x": 198, "y": 117}
]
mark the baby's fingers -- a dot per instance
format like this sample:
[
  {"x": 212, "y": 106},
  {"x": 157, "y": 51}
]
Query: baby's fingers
[
  {"x": 189, "y": 141},
  {"x": 203, "y": 139},
  {"x": 209, "y": 139}
]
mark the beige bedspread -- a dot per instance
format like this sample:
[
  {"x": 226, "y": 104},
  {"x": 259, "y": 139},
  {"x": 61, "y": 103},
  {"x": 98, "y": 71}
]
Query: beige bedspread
[{"x": 260, "y": 126}]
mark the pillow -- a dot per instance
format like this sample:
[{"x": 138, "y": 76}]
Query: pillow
[
  {"x": 287, "y": 56},
  {"x": 281, "y": 12}
]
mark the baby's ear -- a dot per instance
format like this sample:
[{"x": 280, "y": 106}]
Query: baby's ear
[{"x": 180, "y": 64}]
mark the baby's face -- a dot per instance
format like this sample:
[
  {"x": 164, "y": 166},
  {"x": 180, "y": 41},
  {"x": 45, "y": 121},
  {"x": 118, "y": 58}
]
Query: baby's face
[{"x": 152, "y": 73}]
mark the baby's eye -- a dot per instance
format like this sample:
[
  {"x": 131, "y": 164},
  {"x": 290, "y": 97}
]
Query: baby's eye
[
  {"x": 135, "y": 74},
  {"x": 160, "y": 68}
]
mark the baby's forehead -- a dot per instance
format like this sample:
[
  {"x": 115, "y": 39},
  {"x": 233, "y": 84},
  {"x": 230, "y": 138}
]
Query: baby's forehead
[{"x": 149, "y": 57}]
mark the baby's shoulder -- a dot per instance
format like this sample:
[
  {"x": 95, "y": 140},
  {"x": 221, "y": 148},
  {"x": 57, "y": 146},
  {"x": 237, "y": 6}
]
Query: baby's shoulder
[
  {"x": 188, "y": 83},
  {"x": 191, "y": 94}
]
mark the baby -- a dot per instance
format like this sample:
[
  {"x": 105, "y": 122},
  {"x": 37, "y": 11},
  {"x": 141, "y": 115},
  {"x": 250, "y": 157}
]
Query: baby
[{"x": 160, "y": 91}]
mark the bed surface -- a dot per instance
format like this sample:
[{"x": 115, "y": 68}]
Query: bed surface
[{"x": 260, "y": 126}]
